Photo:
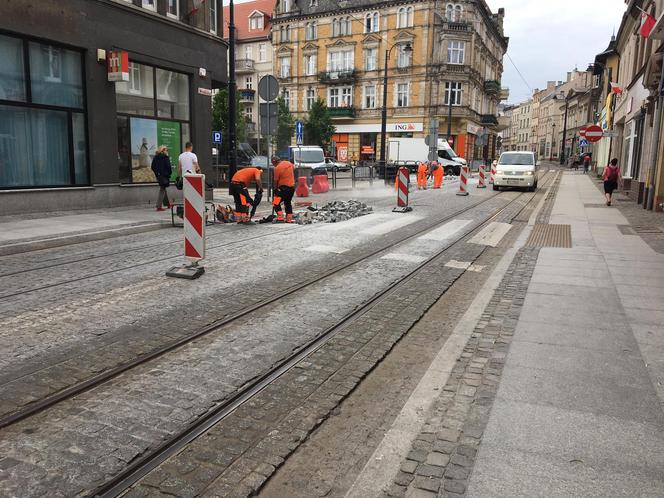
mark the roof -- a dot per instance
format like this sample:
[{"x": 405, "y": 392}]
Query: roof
[{"x": 242, "y": 11}]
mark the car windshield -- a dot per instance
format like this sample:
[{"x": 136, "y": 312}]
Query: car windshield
[
  {"x": 308, "y": 155},
  {"x": 451, "y": 153},
  {"x": 517, "y": 160}
]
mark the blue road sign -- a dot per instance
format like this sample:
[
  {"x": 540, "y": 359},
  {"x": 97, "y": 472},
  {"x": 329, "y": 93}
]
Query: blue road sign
[
  {"x": 299, "y": 132},
  {"x": 583, "y": 142},
  {"x": 216, "y": 137}
]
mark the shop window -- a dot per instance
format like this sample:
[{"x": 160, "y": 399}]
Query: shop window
[
  {"x": 172, "y": 95},
  {"x": 136, "y": 96},
  {"x": 42, "y": 141}
]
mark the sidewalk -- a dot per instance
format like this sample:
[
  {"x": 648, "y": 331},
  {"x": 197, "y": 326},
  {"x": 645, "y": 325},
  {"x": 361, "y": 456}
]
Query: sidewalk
[{"x": 579, "y": 407}]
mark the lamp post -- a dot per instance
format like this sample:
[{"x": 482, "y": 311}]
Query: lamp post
[
  {"x": 553, "y": 141},
  {"x": 232, "y": 87},
  {"x": 564, "y": 140},
  {"x": 383, "y": 118}
]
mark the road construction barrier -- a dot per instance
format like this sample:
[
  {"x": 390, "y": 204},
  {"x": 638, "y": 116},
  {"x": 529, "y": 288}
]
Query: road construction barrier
[
  {"x": 463, "y": 181},
  {"x": 482, "y": 181},
  {"x": 403, "y": 177},
  {"x": 492, "y": 176},
  {"x": 320, "y": 185},
  {"x": 302, "y": 189}
]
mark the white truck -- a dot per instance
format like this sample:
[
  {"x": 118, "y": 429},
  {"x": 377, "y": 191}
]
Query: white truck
[{"x": 416, "y": 150}]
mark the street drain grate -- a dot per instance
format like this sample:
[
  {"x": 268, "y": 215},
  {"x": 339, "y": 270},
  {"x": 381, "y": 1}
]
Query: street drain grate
[{"x": 550, "y": 236}]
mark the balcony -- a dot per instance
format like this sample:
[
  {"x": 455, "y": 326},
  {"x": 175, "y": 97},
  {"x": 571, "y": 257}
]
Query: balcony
[
  {"x": 456, "y": 26},
  {"x": 284, "y": 74},
  {"x": 488, "y": 120},
  {"x": 244, "y": 66},
  {"x": 492, "y": 87},
  {"x": 247, "y": 95},
  {"x": 346, "y": 76},
  {"x": 341, "y": 112}
]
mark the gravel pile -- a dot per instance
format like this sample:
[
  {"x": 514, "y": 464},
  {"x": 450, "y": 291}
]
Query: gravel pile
[{"x": 333, "y": 212}]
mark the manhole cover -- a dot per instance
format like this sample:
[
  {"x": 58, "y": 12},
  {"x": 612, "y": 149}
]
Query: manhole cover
[{"x": 550, "y": 236}]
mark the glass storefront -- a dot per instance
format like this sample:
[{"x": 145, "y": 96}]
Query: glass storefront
[
  {"x": 153, "y": 110},
  {"x": 42, "y": 115}
]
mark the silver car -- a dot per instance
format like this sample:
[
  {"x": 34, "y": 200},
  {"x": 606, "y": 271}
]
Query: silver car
[{"x": 516, "y": 169}]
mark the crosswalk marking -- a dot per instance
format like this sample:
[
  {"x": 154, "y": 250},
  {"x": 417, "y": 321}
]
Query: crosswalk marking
[
  {"x": 448, "y": 230},
  {"x": 492, "y": 234},
  {"x": 390, "y": 226},
  {"x": 406, "y": 258},
  {"x": 325, "y": 249}
]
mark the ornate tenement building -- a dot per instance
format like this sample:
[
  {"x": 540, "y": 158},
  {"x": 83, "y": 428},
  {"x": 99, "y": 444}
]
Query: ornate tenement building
[{"x": 335, "y": 50}]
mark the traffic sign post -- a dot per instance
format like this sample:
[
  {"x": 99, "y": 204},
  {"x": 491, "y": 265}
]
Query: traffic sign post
[
  {"x": 299, "y": 132},
  {"x": 594, "y": 133},
  {"x": 216, "y": 137},
  {"x": 583, "y": 142},
  {"x": 268, "y": 90}
]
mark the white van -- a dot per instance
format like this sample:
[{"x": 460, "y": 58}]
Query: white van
[
  {"x": 308, "y": 157},
  {"x": 516, "y": 169}
]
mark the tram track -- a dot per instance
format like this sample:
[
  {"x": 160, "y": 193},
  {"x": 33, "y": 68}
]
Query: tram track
[{"x": 142, "y": 466}]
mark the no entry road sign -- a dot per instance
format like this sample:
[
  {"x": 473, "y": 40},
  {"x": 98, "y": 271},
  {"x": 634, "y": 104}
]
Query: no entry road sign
[
  {"x": 582, "y": 131},
  {"x": 594, "y": 133}
]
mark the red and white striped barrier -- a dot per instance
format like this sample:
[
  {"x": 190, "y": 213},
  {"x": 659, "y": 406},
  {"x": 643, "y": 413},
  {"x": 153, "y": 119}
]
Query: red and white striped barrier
[
  {"x": 194, "y": 227},
  {"x": 403, "y": 176},
  {"x": 482, "y": 182},
  {"x": 463, "y": 181},
  {"x": 492, "y": 177}
]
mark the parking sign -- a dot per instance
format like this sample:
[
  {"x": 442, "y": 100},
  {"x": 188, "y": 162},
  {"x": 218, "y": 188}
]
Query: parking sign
[{"x": 216, "y": 137}]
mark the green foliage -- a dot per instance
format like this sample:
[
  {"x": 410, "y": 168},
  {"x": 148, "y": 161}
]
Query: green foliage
[
  {"x": 318, "y": 127},
  {"x": 220, "y": 118},
  {"x": 285, "y": 124}
]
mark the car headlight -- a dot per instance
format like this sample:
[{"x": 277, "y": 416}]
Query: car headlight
[
  {"x": 500, "y": 171},
  {"x": 528, "y": 173}
]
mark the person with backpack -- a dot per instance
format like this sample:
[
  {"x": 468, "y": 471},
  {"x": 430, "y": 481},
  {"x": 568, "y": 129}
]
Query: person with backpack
[
  {"x": 611, "y": 178},
  {"x": 161, "y": 167}
]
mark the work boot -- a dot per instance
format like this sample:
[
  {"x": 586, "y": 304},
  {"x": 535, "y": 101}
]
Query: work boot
[
  {"x": 289, "y": 218},
  {"x": 280, "y": 217}
]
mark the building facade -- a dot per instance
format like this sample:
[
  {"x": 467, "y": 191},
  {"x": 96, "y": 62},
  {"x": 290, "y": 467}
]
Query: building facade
[
  {"x": 253, "y": 60},
  {"x": 69, "y": 137},
  {"x": 521, "y": 119},
  {"x": 338, "y": 55}
]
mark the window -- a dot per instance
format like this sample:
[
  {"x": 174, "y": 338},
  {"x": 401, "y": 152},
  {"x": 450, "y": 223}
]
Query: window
[
  {"x": 370, "y": 59},
  {"x": 284, "y": 32},
  {"x": 456, "y": 52},
  {"x": 311, "y": 33},
  {"x": 402, "y": 95},
  {"x": 249, "y": 52},
  {"x": 370, "y": 97},
  {"x": 345, "y": 26},
  {"x": 149, "y": 4},
  {"x": 455, "y": 89},
  {"x": 249, "y": 82},
  {"x": 213, "y": 16},
  {"x": 310, "y": 98},
  {"x": 284, "y": 67},
  {"x": 286, "y": 96},
  {"x": 256, "y": 22},
  {"x": 340, "y": 61},
  {"x": 285, "y": 5},
  {"x": 42, "y": 141},
  {"x": 340, "y": 96},
  {"x": 173, "y": 9},
  {"x": 405, "y": 17},
  {"x": 403, "y": 56},
  {"x": 453, "y": 12},
  {"x": 249, "y": 114},
  {"x": 262, "y": 52},
  {"x": 371, "y": 22},
  {"x": 172, "y": 95},
  {"x": 313, "y": 3},
  {"x": 309, "y": 65}
]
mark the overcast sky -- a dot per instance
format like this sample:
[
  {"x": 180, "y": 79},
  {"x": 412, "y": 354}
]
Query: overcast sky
[{"x": 549, "y": 38}]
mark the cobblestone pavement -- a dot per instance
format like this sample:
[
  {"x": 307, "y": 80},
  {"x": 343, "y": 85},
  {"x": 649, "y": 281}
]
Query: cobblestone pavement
[
  {"x": 77, "y": 444},
  {"x": 56, "y": 336},
  {"x": 241, "y": 452},
  {"x": 443, "y": 454}
]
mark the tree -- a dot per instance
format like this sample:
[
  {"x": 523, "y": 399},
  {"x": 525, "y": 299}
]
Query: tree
[
  {"x": 318, "y": 127},
  {"x": 285, "y": 124},
  {"x": 220, "y": 119}
]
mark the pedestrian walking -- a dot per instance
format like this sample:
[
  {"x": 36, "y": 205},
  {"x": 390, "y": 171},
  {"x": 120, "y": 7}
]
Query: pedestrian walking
[
  {"x": 161, "y": 167},
  {"x": 188, "y": 161},
  {"x": 240, "y": 191},
  {"x": 284, "y": 188},
  {"x": 611, "y": 179},
  {"x": 586, "y": 163}
]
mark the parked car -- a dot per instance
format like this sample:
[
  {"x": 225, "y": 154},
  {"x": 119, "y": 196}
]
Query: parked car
[
  {"x": 516, "y": 169},
  {"x": 332, "y": 165}
]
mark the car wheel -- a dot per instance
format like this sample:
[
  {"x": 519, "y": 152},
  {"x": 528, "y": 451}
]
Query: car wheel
[
  {"x": 449, "y": 171},
  {"x": 496, "y": 187}
]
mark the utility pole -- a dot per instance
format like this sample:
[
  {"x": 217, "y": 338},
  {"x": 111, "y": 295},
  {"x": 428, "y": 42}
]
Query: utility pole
[
  {"x": 232, "y": 101},
  {"x": 449, "y": 115},
  {"x": 564, "y": 140},
  {"x": 383, "y": 118}
]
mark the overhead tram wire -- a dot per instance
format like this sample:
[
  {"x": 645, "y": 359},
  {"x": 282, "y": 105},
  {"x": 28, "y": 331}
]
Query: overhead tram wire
[{"x": 519, "y": 73}]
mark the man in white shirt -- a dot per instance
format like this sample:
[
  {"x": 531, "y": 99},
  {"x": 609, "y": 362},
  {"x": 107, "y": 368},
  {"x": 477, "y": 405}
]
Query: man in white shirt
[{"x": 188, "y": 162}]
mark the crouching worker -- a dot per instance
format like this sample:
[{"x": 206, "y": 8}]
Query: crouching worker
[
  {"x": 284, "y": 188},
  {"x": 239, "y": 190},
  {"x": 437, "y": 173}
]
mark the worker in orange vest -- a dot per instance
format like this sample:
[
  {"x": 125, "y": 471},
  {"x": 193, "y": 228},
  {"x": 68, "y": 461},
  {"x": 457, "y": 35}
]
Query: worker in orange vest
[
  {"x": 438, "y": 173},
  {"x": 422, "y": 172},
  {"x": 284, "y": 188},
  {"x": 239, "y": 190}
]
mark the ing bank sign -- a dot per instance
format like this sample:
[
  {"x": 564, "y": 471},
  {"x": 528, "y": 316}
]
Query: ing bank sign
[{"x": 404, "y": 127}]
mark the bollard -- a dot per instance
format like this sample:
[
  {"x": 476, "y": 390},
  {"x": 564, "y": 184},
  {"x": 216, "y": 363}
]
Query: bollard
[
  {"x": 320, "y": 185},
  {"x": 482, "y": 183},
  {"x": 463, "y": 181},
  {"x": 492, "y": 176},
  {"x": 402, "y": 191},
  {"x": 302, "y": 189},
  {"x": 194, "y": 227}
]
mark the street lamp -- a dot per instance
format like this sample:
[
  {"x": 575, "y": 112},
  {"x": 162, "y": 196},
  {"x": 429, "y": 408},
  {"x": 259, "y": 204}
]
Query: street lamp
[
  {"x": 553, "y": 141},
  {"x": 564, "y": 140},
  {"x": 383, "y": 120}
]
